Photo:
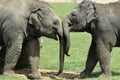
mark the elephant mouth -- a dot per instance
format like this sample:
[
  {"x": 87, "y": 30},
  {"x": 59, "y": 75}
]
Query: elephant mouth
[
  {"x": 73, "y": 21},
  {"x": 72, "y": 24},
  {"x": 53, "y": 36}
]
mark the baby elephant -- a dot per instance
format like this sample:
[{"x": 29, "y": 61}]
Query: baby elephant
[
  {"x": 102, "y": 21},
  {"x": 22, "y": 22}
]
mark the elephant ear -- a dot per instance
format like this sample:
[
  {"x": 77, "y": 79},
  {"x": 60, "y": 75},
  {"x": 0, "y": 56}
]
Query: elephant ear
[
  {"x": 91, "y": 13},
  {"x": 35, "y": 19}
]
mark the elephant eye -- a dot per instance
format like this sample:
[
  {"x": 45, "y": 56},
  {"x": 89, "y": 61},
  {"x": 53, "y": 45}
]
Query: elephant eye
[
  {"x": 81, "y": 6},
  {"x": 55, "y": 22}
]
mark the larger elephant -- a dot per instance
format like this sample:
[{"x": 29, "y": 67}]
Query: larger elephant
[
  {"x": 102, "y": 21},
  {"x": 22, "y": 22}
]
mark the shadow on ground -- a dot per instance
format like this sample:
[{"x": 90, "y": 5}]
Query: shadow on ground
[{"x": 65, "y": 75}]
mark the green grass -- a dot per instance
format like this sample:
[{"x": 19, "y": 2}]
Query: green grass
[
  {"x": 10, "y": 78},
  {"x": 80, "y": 42}
]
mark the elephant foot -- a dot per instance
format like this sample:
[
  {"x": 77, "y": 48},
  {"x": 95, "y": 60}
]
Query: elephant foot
[
  {"x": 34, "y": 75},
  {"x": 84, "y": 75},
  {"x": 104, "y": 75}
]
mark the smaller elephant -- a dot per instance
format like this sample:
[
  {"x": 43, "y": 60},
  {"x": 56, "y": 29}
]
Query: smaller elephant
[
  {"x": 102, "y": 21},
  {"x": 22, "y": 22}
]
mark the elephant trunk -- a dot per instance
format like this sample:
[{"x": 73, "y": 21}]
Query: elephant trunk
[
  {"x": 61, "y": 53},
  {"x": 66, "y": 35},
  {"x": 64, "y": 44}
]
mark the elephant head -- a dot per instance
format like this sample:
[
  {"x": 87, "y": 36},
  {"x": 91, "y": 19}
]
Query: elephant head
[
  {"x": 78, "y": 20},
  {"x": 45, "y": 22}
]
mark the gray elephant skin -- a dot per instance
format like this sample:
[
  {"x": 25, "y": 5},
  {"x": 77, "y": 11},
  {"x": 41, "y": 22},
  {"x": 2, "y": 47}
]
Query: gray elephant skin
[
  {"x": 102, "y": 21},
  {"x": 22, "y": 22}
]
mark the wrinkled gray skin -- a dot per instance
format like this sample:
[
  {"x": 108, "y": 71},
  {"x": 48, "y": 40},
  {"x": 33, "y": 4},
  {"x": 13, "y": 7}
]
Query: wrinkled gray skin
[
  {"x": 22, "y": 22},
  {"x": 102, "y": 21}
]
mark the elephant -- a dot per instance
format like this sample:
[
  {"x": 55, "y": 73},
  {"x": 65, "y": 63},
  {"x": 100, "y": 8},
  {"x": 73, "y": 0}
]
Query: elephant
[
  {"x": 22, "y": 22},
  {"x": 102, "y": 21}
]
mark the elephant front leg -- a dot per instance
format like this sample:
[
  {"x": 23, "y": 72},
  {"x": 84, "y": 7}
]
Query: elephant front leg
[
  {"x": 13, "y": 51},
  {"x": 92, "y": 60},
  {"x": 33, "y": 51}
]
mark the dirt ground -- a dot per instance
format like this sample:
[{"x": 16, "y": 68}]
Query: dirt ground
[
  {"x": 66, "y": 75},
  {"x": 51, "y": 75}
]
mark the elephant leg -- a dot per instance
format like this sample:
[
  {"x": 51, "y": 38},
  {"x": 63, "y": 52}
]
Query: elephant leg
[
  {"x": 92, "y": 60},
  {"x": 103, "y": 51},
  {"x": 23, "y": 62},
  {"x": 2, "y": 58},
  {"x": 30, "y": 58},
  {"x": 13, "y": 51}
]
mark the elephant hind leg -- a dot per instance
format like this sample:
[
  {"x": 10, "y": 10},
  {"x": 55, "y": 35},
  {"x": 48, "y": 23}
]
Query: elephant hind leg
[{"x": 13, "y": 51}]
